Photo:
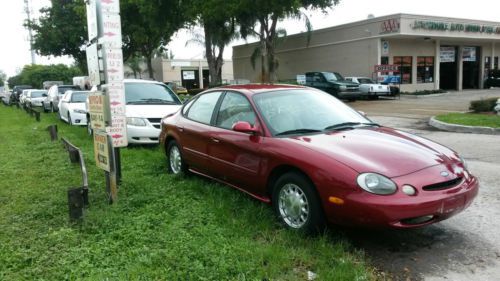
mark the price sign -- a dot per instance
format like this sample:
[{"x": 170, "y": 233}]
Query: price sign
[
  {"x": 110, "y": 6},
  {"x": 111, "y": 31},
  {"x": 101, "y": 151},
  {"x": 98, "y": 110},
  {"x": 113, "y": 65},
  {"x": 118, "y": 128}
]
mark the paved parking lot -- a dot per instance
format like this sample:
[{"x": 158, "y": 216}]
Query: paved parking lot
[{"x": 465, "y": 247}]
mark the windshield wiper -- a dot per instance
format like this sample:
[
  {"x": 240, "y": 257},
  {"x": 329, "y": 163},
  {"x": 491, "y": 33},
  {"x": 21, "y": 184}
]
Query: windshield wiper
[
  {"x": 298, "y": 131},
  {"x": 348, "y": 125},
  {"x": 151, "y": 100}
]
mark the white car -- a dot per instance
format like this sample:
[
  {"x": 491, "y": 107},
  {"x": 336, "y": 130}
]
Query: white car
[
  {"x": 72, "y": 107},
  {"x": 34, "y": 98},
  {"x": 370, "y": 88},
  {"x": 54, "y": 94},
  {"x": 147, "y": 102},
  {"x": 22, "y": 97}
]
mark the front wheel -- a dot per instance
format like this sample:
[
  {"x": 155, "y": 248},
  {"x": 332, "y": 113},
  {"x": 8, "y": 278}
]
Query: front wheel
[
  {"x": 69, "y": 119},
  {"x": 175, "y": 162},
  {"x": 296, "y": 203}
]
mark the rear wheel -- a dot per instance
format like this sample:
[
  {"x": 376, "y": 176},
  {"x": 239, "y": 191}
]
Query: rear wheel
[
  {"x": 175, "y": 162},
  {"x": 296, "y": 203},
  {"x": 44, "y": 107},
  {"x": 52, "y": 108},
  {"x": 89, "y": 127}
]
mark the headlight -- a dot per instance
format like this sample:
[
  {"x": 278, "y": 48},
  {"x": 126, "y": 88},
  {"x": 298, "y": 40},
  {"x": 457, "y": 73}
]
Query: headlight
[
  {"x": 377, "y": 184},
  {"x": 463, "y": 162},
  {"x": 343, "y": 88},
  {"x": 133, "y": 121},
  {"x": 81, "y": 111}
]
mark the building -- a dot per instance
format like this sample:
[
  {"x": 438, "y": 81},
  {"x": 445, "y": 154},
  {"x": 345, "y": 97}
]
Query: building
[
  {"x": 428, "y": 52},
  {"x": 192, "y": 74}
]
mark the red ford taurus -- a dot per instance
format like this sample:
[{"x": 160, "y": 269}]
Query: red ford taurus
[{"x": 315, "y": 159}]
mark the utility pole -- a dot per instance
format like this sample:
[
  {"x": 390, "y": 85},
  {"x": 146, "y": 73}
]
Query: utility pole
[{"x": 30, "y": 32}]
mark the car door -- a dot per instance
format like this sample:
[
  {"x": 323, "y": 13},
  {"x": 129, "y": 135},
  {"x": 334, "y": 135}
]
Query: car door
[
  {"x": 63, "y": 107},
  {"x": 235, "y": 156},
  {"x": 195, "y": 130}
]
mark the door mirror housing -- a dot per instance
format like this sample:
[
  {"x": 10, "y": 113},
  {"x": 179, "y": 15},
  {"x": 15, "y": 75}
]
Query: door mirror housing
[{"x": 245, "y": 127}]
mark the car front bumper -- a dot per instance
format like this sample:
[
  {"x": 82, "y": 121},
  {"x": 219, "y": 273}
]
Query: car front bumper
[
  {"x": 79, "y": 118},
  {"x": 143, "y": 134},
  {"x": 402, "y": 211}
]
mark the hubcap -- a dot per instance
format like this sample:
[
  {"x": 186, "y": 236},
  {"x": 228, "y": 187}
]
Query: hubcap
[
  {"x": 293, "y": 205},
  {"x": 175, "y": 160}
]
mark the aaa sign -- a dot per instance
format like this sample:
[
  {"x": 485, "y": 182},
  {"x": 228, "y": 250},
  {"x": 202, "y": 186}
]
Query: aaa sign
[{"x": 101, "y": 151}]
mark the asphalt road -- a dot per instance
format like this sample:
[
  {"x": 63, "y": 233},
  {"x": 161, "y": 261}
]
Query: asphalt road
[{"x": 464, "y": 247}]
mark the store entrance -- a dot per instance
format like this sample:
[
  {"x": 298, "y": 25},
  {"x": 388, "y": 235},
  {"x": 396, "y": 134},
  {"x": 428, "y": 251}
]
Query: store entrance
[
  {"x": 448, "y": 71},
  {"x": 470, "y": 76}
]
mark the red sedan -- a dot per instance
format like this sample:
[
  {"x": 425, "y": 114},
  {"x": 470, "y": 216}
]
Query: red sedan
[{"x": 315, "y": 159}]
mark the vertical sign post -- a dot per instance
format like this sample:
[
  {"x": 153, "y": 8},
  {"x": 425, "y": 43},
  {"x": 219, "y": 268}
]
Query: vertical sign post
[{"x": 105, "y": 60}]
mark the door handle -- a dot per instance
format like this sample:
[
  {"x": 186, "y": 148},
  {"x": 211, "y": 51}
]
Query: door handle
[
  {"x": 181, "y": 129},
  {"x": 215, "y": 140}
]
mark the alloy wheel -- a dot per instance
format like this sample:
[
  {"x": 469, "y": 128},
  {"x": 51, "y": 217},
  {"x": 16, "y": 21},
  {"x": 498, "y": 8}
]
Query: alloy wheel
[{"x": 293, "y": 205}]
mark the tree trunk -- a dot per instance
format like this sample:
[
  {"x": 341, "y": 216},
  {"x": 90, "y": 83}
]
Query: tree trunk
[
  {"x": 150, "y": 66},
  {"x": 212, "y": 61},
  {"x": 264, "y": 74}
]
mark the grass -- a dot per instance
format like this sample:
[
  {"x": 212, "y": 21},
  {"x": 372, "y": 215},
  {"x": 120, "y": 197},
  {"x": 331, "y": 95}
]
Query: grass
[
  {"x": 471, "y": 119},
  {"x": 162, "y": 227}
]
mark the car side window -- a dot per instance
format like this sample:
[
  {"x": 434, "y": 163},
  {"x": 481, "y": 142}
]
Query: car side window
[
  {"x": 234, "y": 107},
  {"x": 203, "y": 107},
  {"x": 317, "y": 78}
]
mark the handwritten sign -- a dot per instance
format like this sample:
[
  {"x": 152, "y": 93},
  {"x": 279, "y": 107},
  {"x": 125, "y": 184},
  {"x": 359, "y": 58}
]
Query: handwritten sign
[{"x": 101, "y": 151}]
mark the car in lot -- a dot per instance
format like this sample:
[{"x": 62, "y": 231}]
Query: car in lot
[
  {"x": 147, "y": 102},
  {"x": 34, "y": 98},
  {"x": 17, "y": 91},
  {"x": 334, "y": 84},
  {"x": 315, "y": 159},
  {"x": 369, "y": 88},
  {"x": 55, "y": 93},
  {"x": 22, "y": 98},
  {"x": 493, "y": 79},
  {"x": 72, "y": 107},
  {"x": 178, "y": 89}
]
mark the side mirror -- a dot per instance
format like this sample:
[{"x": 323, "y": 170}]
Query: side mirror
[
  {"x": 44, "y": 95},
  {"x": 245, "y": 127}
]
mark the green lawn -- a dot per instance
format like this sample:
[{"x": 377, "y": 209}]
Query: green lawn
[
  {"x": 162, "y": 227},
  {"x": 471, "y": 119}
]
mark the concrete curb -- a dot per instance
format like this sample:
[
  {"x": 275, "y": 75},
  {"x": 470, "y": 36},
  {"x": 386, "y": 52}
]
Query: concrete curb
[
  {"x": 423, "y": 96},
  {"x": 462, "y": 128}
]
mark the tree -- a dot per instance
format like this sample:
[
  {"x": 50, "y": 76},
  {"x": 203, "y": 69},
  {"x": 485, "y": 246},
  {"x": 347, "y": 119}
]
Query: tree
[
  {"x": 34, "y": 75},
  {"x": 260, "y": 18},
  {"x": 217, "y": 18},
  {"x": 62, "y": 31},
  {"x": 148, "y": 25},
  {"x": 134, "y": 63}
]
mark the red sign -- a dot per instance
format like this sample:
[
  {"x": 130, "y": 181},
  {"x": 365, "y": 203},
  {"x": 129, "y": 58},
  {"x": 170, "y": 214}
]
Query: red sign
[
  {"x": 389, "y": 26},
  {"x": 384, "y": 68}
]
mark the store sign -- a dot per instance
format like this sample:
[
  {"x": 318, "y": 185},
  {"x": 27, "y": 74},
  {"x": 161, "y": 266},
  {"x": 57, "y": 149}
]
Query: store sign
[
  {"x": 447, "y": 54},
  {"x": 180, "y": 63},
  {"x": 469, "y": 54},
  {"x": 384, "y": 68},
  {"x": 456, "y": 27},
  {"x": 390, "y": 26},
  {"x": 101, "y": 151},
  {"x": 188, "y": 75}
]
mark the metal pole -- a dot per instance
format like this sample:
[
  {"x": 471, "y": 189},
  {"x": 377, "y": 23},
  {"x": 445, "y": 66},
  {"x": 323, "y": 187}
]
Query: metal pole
[{"x": 118, "y": 165}]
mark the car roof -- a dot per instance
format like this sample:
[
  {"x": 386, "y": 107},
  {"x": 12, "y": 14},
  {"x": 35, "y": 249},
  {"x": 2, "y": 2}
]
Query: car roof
[
  {"x": 260, "y": 88},
  {"x": 141, "y": 81}
]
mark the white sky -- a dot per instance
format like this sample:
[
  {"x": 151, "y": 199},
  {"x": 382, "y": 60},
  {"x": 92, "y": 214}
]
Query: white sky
[{"x": 14, "y": 45}]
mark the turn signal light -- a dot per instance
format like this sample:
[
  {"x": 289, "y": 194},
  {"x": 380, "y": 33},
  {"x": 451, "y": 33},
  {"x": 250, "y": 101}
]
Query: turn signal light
[{"x": 335, "y": 200}]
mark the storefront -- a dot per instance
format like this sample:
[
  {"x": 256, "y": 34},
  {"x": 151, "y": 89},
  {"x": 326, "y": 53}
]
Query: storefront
[{"x": 428, "y": 52}]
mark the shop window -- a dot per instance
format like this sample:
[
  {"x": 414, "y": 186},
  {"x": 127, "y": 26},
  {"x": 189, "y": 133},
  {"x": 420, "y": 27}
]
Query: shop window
[
  {"x": 495, "y": 66},
  {"x": 405, "y": 67},
  {"x": 487, "y": 63},
  {"x": 384, "y": 60},
  {"x": 425, "y": 69}
]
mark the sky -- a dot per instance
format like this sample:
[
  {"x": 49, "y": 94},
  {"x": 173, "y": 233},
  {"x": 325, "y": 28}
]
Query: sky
[{"x": 14, "y": 44}]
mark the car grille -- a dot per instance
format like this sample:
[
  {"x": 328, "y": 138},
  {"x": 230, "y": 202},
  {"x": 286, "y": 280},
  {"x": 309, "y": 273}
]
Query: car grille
[
  {"x": 156, "y": 122},
  {"x": 442, "y": 185}
]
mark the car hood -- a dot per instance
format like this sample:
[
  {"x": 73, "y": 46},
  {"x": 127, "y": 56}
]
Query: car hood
[
  {"x": 380, "y": 150},
  {"x": 151, "y": 110},
  {"x": 76, "y": 105}
]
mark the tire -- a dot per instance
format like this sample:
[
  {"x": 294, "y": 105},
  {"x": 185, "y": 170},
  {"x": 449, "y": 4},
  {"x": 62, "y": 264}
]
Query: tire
[
  {"x": 90, "y": 132},
  {"x": 175, "y": 161},
  {"x": 44, "y": 108},
  {"x": 69, "y": 119},
  {"x": 52, "y": 108},
  {"x": 297, "y": 205}
]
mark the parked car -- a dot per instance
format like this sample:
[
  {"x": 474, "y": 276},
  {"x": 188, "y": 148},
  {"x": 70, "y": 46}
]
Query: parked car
[
  {"x": 6, "y": 97},
  {"x": 17, "y": 91},
  {"x": 34, "y": 98},
  {"x": 147, "y": 102},
  {"x": 177, "y": 88},
  {"x": 315, "y": 159},
  {"x": 55, "y": 93},
  {"x": 72, "y": 107},
  {"x": 334, "y": 84},
  {"x": 369, "y": 88},
  {"x": 22, "y": 98},
  {"x": 493, "y": 79},
  {"x": 393, "y": 81}
]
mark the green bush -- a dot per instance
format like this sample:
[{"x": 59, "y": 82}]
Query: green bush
[
  {"x": 483, "y": 105},
  {"x": 424, "y": 92}
]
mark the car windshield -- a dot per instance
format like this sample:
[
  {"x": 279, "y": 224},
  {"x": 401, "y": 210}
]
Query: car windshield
[
  {"x": 37, "y": 94},
  {"x": 79, "y": 96},
  {"x": 291, "y": 112},
  {"x": 149, "y": 93},
  {"x": 63, "y": 89},
  {"x": 365, "y": 81},
  {"x": 333, "y": 76}
]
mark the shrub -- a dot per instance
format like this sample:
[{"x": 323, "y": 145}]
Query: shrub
[{"x": 483, "y": 105}]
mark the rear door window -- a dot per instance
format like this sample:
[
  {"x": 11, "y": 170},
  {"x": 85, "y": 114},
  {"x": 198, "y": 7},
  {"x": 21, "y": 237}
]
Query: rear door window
[{"x": 203, "y": 107}]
